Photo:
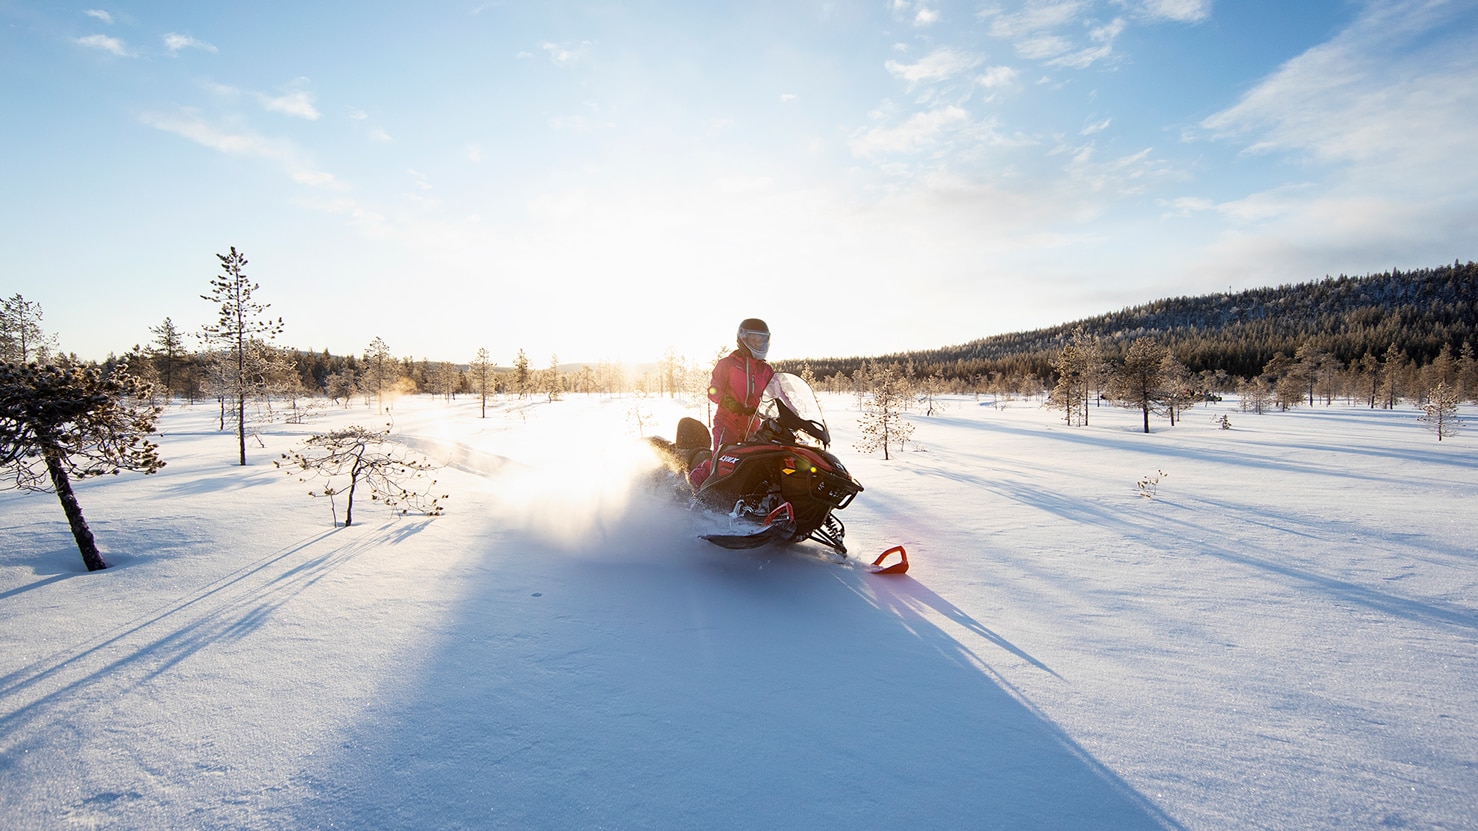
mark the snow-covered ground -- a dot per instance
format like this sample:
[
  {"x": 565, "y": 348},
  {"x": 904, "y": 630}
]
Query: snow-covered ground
[{"x": 1282, "y": 636}]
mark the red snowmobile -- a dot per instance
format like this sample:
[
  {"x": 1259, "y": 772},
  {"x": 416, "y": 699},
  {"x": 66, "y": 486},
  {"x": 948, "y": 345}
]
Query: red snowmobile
[{"x": 780, "y": 484}]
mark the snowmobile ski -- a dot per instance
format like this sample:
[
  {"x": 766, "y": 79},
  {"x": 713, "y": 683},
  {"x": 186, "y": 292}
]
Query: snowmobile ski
[
  {"x": 899, "y": 567},
  {"x": 779, "y": 526}
]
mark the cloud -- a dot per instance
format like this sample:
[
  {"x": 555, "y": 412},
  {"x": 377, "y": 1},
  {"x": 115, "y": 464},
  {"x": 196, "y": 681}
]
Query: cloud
[
  {"x": 1034, "y": 18},
  {"x": 298, "y": 104},
  {"x": 997, "y": 76},
  {"x": 1383, "y": 117},
  {"x": 925, "y": 17},
  {"x": 940, "y": 65},
  {"x": 107, "y": 44},
  {"x": 175, "y": 42},
  {"x": 100, "y": 15},
  {"x": 1096, "y": 127},
  {"x": 566, "y": 54},
  {"x": 1179, "y": 11},
  {"x": 293, "y": 161},
  {"x": 920, "y": 131}
]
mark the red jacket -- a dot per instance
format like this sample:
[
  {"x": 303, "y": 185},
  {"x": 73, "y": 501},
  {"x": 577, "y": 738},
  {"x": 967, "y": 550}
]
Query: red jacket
[{"x": 736, "y": 386}]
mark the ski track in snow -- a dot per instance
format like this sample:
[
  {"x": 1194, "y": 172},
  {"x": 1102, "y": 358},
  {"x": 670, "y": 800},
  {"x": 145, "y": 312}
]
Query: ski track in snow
[{"x": 1281, "y": 636}]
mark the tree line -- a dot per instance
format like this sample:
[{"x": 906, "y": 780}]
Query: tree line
[{"x": 1413, "y": 314}]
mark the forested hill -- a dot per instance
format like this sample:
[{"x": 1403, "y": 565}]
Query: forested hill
[{"x": 1413, "y": 311}]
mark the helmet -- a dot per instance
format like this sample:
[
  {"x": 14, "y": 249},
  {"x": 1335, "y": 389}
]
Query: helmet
[{"x": 754, "y": 337}]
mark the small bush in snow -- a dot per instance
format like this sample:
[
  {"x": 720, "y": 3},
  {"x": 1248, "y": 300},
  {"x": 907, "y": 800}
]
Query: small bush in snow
[{"x": 347, "y": 458}]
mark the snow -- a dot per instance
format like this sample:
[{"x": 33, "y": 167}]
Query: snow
[{"x": 1282, "y": 636}]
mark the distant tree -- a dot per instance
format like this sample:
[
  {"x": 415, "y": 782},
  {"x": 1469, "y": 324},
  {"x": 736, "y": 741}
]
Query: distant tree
[
  {"x": 1180, "y": 388},
  {"x": 1369, "y": 373},
  {"x": 1467, "y": 373},
  {"x": 1439, "y": 413},
  {"x": 482, "y": 378},
  {"x": 1393, "y": 376},
  {"x": 381, "y": 371},
  {"x": 523, "y": 377},
  {"x": 1138, "y": 383},
  {"x": 347, "y": 458},
  {"x": 552, "y": 381},
  {"x": 1256, "y": 395},
  {"x": 59, "y": 424},
  {"x": 883, "y": 396},
  {"x": 1079, "y": 369},
  {"x": 340, "y": 386},
  {"x": 22, "y": 339},
  {"x": 239, "y": 323},
  {"x": 168, "y": 351}
]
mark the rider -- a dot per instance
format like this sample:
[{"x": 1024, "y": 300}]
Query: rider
[{"x": 739, "y": 379}]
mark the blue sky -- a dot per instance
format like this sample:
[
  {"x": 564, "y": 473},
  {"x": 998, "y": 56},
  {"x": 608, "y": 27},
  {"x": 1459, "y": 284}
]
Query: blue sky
[{"x": 608, "y": 180}]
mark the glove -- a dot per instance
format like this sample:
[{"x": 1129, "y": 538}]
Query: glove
[{"x": 732, "y": 404}]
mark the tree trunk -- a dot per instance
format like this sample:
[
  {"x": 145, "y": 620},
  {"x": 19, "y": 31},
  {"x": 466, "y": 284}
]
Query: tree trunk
[
  {"x": 241, "y": 425},
  {"x": 85, "y": 543}
]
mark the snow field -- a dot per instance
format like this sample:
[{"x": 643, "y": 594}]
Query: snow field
[{"x": 1282, "y": 636}]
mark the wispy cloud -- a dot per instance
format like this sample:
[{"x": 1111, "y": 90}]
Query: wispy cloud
[
  {"x": 1179, "y": 11},
  {"x": 107, "y": 44},
  {"x": 1384, "y": 117},
  {"x": 997, "y": 76},
  {"x": 920, "y": 131},
  {"x": 174, "y": 42},
  {"x": 296, "y": 102},
  {"x": 940, "y": 65},
  {"x": 100, "y": 15},
  {"x": 284, "y": 154},
  {"x": 566, "y": 54}
]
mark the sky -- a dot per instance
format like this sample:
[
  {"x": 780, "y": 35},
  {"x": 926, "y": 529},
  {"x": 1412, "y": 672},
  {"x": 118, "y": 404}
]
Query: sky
[{"x": 617, "y": 180}]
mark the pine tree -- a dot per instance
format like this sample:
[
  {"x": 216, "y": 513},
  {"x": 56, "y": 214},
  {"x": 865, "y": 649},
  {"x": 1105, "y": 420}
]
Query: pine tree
[
  {"x": 60, "y": 424},
  {"x": 367, "y": 457},
  {"x": 482, "y": 377},
  {"x": 22, "y": 339},
  {"x": 381, "y": 370},
  {"x": 1138, "y": 383},
  {"x": 523, "y": 377},
  {"x": 1439, "y": 413},
  {"x": 168, "y": 350},
  {"x": 883, "y": 395},
  {"x": 239, "y": 323}
]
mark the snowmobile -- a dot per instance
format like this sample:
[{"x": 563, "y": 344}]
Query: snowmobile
[{"x": 780, "y": 484}]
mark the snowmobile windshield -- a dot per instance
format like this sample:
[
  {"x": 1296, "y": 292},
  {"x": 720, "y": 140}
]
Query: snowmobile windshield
[{"x": 790, "y": 401}]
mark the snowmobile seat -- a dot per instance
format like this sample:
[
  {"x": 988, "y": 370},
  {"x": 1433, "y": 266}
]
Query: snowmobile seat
[{"x": 692, "y": 434}]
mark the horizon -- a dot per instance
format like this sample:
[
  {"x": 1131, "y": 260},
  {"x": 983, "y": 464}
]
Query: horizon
[{"x": 602, "y": 183}]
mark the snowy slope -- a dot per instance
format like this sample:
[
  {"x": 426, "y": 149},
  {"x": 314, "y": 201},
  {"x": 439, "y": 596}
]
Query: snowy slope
[{"x": 1283, "y": 636}]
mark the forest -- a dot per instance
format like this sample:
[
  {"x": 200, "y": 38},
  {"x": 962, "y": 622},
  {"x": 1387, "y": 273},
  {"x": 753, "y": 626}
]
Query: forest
[{"x": 1379, "y": 338}]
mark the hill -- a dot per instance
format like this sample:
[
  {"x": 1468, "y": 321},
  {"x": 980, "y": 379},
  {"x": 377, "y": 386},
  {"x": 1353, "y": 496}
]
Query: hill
[{"x": 1416, "y": 312}]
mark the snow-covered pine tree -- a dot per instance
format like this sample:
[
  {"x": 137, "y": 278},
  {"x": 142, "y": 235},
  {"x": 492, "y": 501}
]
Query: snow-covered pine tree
[
  {"x": 883, "y": 394},
  {"x": 381, "y": 371},
  {"x": 239, "y": 323},
  {"x": 354, "y": 456},
  {"x": 1439, "y": 413},
  {"x": 482, "y": 378},
  {"x": 59, "y": 424}
]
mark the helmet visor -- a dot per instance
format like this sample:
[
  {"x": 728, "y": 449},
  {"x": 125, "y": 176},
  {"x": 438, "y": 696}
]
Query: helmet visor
[{"x": 758, "y": 343}]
